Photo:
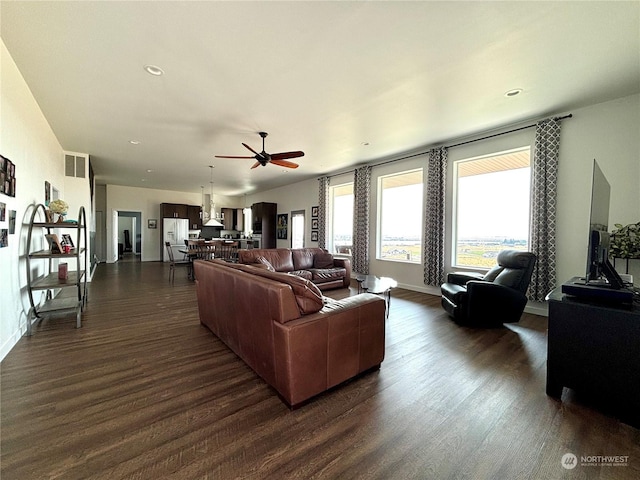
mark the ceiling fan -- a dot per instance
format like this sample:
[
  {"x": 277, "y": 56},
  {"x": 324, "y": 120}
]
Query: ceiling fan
[{"x": 263, "y": 157}]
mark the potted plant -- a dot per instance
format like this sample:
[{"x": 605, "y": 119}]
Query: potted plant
[{"x": 625, "y": 241}]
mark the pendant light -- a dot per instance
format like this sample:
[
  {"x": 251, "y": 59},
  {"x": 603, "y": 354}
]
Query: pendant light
[
  {"x": 212, "y": 222},
  {"x": 203, "y": 213}
]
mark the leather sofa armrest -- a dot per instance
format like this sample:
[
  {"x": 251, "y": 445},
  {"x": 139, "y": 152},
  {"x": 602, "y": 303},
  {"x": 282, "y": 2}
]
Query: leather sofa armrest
[
  {"x": 494, "y": 304},
  {"x": 346, "y": 264},
  {"x": 461, "y": 278},
  {"x": 259, "y": 265},
  {"x": 324, "y": 349}
]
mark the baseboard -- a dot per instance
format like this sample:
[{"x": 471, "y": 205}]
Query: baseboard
[
  {"x": 13, "y": 339},
  {"x": 535, "y": 308},
  {"x": 431, "y": 290}
]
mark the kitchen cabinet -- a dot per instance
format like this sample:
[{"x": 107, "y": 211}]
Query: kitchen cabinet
[
  {"x": 228, "y": 218},
  {"x": 49, "y": 281},
  {"x": 174, "y": 210},
  {"x": 233, "y": 218},
  {"x": 264, "y": 222},
  {"x": 195, "y": 217}
]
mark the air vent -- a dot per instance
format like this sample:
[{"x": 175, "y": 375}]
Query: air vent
[{"x": 75, "y": 166}]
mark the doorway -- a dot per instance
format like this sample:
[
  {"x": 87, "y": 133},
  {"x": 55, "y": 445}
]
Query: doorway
[{"x": 129, "y": 236}]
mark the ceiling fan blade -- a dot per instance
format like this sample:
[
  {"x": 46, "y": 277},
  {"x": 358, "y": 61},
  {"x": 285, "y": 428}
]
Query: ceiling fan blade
[
  {"x": 229, "y": 156},
  {"x": 255, "y": 165},
  {"x": 247, "y": 146},
  {"x": 284, "y": 163},
  {"x": 283, "y": 155}
]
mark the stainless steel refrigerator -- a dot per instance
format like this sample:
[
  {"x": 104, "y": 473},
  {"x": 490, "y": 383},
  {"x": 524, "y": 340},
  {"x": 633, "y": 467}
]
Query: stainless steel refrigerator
[{"x": 176, "y": 231}]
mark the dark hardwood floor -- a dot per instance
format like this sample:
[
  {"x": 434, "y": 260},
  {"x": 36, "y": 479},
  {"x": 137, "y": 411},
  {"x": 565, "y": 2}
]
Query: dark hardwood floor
[{"x": 143, "y": 391}]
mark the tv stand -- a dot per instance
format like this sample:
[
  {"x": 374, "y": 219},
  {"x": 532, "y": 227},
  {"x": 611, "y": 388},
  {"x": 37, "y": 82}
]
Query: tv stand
[
  {"x": 598, "y": 290},
  {"x": 593, "y": 348}
]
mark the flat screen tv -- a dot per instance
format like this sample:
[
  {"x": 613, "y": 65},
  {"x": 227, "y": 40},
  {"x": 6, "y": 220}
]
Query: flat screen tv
[{"x": 600, "y": 272}]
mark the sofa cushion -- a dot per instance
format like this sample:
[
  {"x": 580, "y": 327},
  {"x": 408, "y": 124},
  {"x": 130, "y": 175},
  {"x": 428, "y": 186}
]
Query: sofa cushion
[
  {"x": 279, "y": 258},
  {"x": 322, "y": 275},
  {"x": 323, "y": 260},
  {"x": 493, "y": 273},
  {"x": 510, "y": 277},
  {"x": 308, "y": 296},
  {"x": 302, "y": 273},
  {"x": 265, "y": 262},
  {"x": 303, "y": 257}
]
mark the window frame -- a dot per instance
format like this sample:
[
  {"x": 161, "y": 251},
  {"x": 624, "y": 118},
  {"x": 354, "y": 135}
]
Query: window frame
[
  {"x": 330, "y": 227},
  {"x": 455, "y": 202},
  {"x": 379, "y": 218}
]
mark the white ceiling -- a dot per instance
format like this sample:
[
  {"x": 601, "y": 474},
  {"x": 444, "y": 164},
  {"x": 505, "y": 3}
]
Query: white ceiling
[{"x": 322, "y": 77}]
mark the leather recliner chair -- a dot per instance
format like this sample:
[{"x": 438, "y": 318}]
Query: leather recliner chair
[{"x": 492, "y": 299}]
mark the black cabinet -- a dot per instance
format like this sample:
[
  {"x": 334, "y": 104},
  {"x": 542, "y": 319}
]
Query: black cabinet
[
  {"x": 263, "y": 217},
  {"x": 174, "y": 210},
  {"x": 594, "y": 348},
  {"x": 195, "y": 217}
]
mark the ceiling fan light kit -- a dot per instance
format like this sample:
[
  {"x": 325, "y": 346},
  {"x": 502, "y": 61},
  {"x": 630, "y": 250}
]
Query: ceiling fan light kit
[{"x": 263, "y": 157}]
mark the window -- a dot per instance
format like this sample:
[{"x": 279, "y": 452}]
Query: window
[
  {"x": 492, "y": 197},
  {"x": 341, "y": 215},
  {"x": 400, "y": 210},
  {"x": 297, "y": 229},
  {"x": 248, "y": 220}
]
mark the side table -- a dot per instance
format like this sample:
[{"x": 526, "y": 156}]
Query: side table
[{"x": 377, "y": 285}]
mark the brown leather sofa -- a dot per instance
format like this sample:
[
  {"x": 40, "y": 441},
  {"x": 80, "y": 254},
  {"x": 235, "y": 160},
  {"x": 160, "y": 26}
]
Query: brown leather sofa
[
  {"x": 299, "y": 342},
  {"x": 315, "y": 264}
]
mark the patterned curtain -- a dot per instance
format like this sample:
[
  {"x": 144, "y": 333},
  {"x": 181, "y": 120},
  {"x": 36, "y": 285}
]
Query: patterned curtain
[
  {"x": 323, "y": 209},
  {"x": 543, "y": 208},
  {"x": 434, "y": 233},
  {"x": 361, "y": 196}
]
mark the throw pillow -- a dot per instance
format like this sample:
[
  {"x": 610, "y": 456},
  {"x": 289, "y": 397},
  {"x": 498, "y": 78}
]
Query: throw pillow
[
  {"x": 323, "y": 260},
  {"x": 265, "y": 262}
]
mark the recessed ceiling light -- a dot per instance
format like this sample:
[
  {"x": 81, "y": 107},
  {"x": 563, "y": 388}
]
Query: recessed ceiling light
[
  {"x": 153, "y": 70},
  {"x": 513, "y": 93},
  {"x": 366, "y": 144},
  {"x": 134, "y": 142},
  {"x": 149, "y": 171}
]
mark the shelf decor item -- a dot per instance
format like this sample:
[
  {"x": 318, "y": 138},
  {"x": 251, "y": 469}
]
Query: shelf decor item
[
  {"x": 60, "y": 207},
  {"x": 55, "y": 246}
]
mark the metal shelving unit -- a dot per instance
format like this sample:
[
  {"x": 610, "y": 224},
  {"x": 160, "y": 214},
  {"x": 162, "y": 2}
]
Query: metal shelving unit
[{"x": 48, "y": 281}]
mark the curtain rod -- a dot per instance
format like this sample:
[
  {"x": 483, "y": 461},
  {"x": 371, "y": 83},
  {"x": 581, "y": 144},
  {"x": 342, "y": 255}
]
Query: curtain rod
[
  {"x": 451, "y": 146},
  {"x": 504, "y": 133}
]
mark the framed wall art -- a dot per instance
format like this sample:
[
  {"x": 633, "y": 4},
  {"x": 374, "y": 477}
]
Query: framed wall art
[
  {"x": 152, "y": 223},
  {"x": 314, "y": 212},
  {"x": 281, "y": 226},
  {"x": 12, "y": 222},
  {"x": 7, "y": 177},
  {"x": 314, "y": 236}
]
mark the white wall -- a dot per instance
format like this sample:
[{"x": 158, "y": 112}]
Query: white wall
[
  {"x": 610, "y": 133},
  {"x": 28, "y": 141},
  {"x": 297, "y": 196}
]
